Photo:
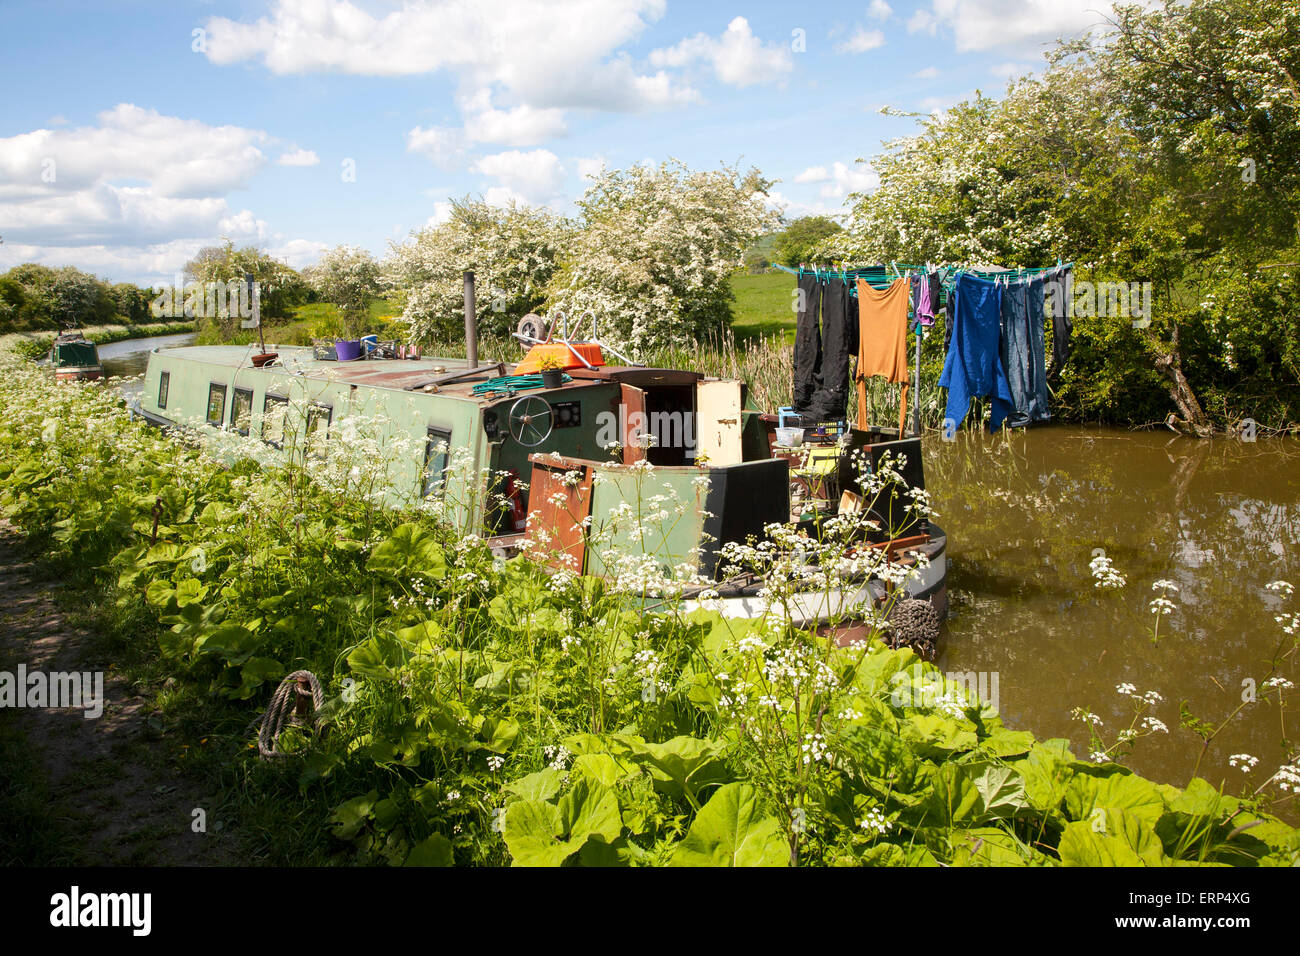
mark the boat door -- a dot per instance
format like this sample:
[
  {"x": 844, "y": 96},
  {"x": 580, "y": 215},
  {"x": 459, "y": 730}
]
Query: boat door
[
  {"x": 718, "y": 417},
  {"x": 632, "y": 423}
]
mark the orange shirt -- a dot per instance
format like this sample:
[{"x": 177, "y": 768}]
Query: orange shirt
[{"x": 882, "y": 335}]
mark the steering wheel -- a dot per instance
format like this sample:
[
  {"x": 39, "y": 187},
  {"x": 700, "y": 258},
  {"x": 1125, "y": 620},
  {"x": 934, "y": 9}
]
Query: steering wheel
[{"x": 531, "y": 420}]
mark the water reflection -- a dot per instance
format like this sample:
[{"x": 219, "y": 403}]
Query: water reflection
[
  {"x": 1025, "y": 516},
  {"x": 131, "y": 357}
]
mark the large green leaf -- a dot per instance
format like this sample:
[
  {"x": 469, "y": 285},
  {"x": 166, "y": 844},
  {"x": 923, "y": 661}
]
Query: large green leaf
[
  {"x": 681, "y": 765},
  {"x": 728, "y": 831},
  {"x": 409, "y": 548},
  {"x": 934, "y": 735},
  {"x": 435, "y": 851},
  {"x": 539, "y": 833},
  {"x": 1126, "y": 841},
  {"x": 1112, "y": 790}
]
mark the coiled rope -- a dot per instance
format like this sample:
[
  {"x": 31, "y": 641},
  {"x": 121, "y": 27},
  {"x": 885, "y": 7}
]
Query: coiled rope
[
  {"x": 914, "y": 624},
  {"x": 295, "y": 688}
]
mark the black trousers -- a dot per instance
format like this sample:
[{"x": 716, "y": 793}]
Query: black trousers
[
  {"x": 807, "y": 343},
  {"x": 822, "y": 345}
]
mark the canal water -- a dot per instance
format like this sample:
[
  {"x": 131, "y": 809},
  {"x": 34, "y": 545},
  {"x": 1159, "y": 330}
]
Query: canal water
[
  {"x": 130, "y": 358},
  {"x": 1026, "y": 515}
]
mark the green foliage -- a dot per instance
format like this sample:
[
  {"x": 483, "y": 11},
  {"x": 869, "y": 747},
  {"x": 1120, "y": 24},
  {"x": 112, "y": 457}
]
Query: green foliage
[
  {"x": 486, "y": 713},
  {"x": 803, "y": 237},
  {"x": 35, "y": 297},
  {"x": 281, "y": 287},
  {"x": 1165, "y": 151}
]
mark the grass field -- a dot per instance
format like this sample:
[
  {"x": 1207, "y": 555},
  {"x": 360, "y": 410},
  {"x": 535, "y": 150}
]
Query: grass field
[{"x": 762, "y": 306}]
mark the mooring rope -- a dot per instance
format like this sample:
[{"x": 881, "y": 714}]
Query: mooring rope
[{"x": 280, "y": 714}]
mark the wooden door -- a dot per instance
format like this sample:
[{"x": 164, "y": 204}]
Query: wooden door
[
  {"x": 718, "y": 406},
  {"x": 633, "y": 423},
  {"x": 559, "y": 499}
]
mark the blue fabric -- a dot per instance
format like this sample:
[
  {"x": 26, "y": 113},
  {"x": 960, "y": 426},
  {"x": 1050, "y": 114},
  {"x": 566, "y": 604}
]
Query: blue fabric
[
  {"x": 1022, "y": 351},
  {"x": 973, "y": 366}
]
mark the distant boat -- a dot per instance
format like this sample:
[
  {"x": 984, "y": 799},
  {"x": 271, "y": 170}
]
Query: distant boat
[{"x": 75, "y": 358}]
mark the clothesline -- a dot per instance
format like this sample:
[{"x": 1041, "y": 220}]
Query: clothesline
[{"x": 1000, "y": 315}]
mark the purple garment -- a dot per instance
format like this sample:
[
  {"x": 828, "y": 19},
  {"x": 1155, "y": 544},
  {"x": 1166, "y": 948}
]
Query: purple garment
[{"x": 925, "y": 297}]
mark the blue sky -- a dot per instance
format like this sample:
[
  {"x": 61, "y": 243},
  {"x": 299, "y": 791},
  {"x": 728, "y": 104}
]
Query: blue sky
[{"x": 134, "y": 133}]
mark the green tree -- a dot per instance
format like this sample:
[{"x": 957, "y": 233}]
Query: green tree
[
  {"x": 280, "y": 287},
  {"x": 513, "y": 251},
  {"x": 347, "y": 277},
  {"x": 802, "y": 238},
  {"x": 656, "y": 250}
]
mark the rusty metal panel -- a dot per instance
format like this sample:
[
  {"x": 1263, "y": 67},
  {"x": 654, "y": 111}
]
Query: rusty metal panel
[{"x": 559, "y": 498}]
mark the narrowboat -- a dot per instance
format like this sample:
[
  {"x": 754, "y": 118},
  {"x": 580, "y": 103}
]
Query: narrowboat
[
  {"x": 549, "y": 449},
  {"x": 75, "y": 358}
]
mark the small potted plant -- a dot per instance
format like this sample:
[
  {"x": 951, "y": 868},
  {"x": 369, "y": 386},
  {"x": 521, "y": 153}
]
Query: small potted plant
[{"x": 552, "y": 372}]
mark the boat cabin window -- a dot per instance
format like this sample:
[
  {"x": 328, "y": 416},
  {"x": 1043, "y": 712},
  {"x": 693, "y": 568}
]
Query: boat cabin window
[
  {"x": 436, "y": 449},
  {"x": 274, "y": 409},
  {"x": 164, "y": 383},
  {"x": 318, "y": 426},
  {"x": 216, "y": 404},
  {"x": 241, "y": 410}
]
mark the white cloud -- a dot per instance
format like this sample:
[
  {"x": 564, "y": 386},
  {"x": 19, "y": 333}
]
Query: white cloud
[
  {"x": 444, "y": 145},
  {"x": 298, "y": 253},
  {"x": 929, "y": 73},
  {"x": 137, "y": 179},
  {"x": 794, "y": 209},
  {"x": 987, "y": 24},
  {"x": 521, "y": 126},
  {"x": 178, "y": 157},
  {"x": 844, "y": 179},
  {"x": 504, "y": 196},
  {"x": 589, "y": 167},
  {"x": 441, "y": 214},
  {"x": 879, "y": 10},
  {"x": 738, "y": 58},
  {"x": 535, "y": 176},
  {"x": 813, "y": 174},
  {"x": 132, "y": 197},
  {"x": 861, "y": 41},
  {"x": 923, "y": 21},
  {"x": 1009, "y": 70},
  {"x": 545, "y": 54},
  {"x": 299, "y": 157}
]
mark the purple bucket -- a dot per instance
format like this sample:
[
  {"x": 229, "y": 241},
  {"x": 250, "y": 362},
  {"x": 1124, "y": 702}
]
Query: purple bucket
[{"x": 347, "y": 350}]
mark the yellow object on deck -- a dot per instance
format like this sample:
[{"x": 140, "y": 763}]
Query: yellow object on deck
[{"x": 562, "y": 354}]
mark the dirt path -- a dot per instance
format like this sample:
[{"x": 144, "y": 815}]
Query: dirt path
[{"x": 111, "y": 788}]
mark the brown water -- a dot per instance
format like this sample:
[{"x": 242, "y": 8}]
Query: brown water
[{"x": 1220, "y": 518}]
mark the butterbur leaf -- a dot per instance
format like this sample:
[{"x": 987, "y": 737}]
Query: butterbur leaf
[
  {"x": 541, "y": 785},
  {"x": 533, "y": 834},
  {"x": 1118, "y": 790},
  {"x": 435, "y": 851},
  {"x": 409, "y": 548},
  {"x": 729, "y": 831},
  {"x": 591, "y": 809},
  {"x": 350, "y": 816},
  {"x": 1122, "y": 842}
]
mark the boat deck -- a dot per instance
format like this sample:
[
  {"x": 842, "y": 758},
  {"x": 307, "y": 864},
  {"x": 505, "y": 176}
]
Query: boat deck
[
  {"x": 396, "y": 374},
  {"x": 415, "y": 374}
]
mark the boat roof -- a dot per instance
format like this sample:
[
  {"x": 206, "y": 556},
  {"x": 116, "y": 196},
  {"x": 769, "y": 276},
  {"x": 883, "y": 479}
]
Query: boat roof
[{"x": 411, "y": 374}]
